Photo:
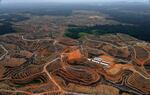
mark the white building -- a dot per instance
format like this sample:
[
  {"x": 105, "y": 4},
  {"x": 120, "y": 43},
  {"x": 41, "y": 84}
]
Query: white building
[{"x": 99, "y": 60}]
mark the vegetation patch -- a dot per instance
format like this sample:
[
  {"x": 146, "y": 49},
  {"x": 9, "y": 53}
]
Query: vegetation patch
[{"x": 79, "y": 31}]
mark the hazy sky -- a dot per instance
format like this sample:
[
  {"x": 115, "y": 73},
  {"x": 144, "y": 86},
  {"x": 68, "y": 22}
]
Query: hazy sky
[{"x": 10, "y": 1}]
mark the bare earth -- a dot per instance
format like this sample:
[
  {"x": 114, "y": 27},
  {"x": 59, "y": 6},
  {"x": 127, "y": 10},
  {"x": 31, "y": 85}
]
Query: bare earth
[{"x": 51, "y": 64}]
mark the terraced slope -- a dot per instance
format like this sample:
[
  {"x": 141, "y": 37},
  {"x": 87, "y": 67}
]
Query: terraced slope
[{"x": 93, "y": 65}]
